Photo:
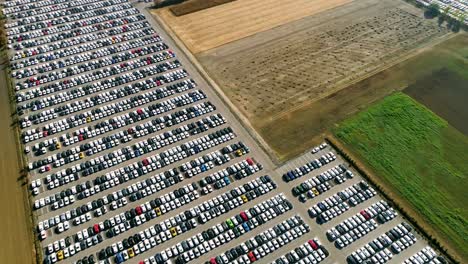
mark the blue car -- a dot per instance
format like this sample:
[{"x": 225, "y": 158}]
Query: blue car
[
  {"x": 246, "y": 227},
  {"x": 119, "y": 258},
  {"x": 289, "y": 176},
  {"x": 226, "y": 180}
]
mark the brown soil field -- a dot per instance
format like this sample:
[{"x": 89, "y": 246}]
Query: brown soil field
[
  {"x": 193, "y": 6},
  {"x": 293, "y": 82},
  {"x": 445, "y": 93},
  {"x": 16, "y": 243},
  {"x": 213, "y": 27}
]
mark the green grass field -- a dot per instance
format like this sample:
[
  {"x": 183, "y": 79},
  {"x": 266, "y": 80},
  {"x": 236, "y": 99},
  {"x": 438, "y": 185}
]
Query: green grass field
[{"x": 417, "y": 153}]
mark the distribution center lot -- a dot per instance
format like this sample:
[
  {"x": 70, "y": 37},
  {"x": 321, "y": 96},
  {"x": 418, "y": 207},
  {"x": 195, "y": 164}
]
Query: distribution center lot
[{"x": 125, "y": 139}]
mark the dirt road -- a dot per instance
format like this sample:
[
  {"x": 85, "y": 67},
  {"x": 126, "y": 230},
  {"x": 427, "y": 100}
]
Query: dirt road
[{"x": 16, "y": 242}]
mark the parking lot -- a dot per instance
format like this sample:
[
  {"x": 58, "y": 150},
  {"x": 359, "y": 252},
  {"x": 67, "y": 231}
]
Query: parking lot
[
  {"x": 455, "y": 7},
  {"x": 133, "y": 157}
]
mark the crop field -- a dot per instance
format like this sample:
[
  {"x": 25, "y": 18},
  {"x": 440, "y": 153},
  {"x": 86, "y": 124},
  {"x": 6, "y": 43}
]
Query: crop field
[
  {"x": 418, "y": 154},
  {"x": 193, "y": 6},
  {"x": 444, "y": 93},
  {"x": 16, "y": 245},
  {"x": 302, "y": 127},
  {"x": 213, "y": 27},
  {"x": 297, "y": 76}
]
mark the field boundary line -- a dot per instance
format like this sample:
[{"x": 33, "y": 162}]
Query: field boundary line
[
  {"x": 244, "y": 121},
  {"x": 433, "y": 237},
  {"x": 404, "y": 58}
]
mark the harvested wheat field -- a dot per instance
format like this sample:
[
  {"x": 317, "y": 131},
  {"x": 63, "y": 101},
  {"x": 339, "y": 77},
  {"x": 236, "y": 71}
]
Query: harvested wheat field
[
  {"x": 213, "y": 27},
  {"x": 16, "y": 245},
  {"x": 278, "y": 74}
]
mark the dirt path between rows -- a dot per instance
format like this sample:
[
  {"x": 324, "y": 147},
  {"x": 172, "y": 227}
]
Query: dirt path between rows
[{"x": 16, "y": 244}]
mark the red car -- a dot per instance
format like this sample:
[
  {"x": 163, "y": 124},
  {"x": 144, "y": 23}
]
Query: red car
[
  {"x": 365, "y": 214},
  {"x": 250, "y": 161},
  {"x": 244, "y": 217},
  {"x": 138, "y": 210},
  {"x": 96, "y": 228},
  {"x": 313, "y": 244},
  {"x": 145, "y": 162},
  {"x": 251, "y": 256},
  {"x": 213, "y": 261}
]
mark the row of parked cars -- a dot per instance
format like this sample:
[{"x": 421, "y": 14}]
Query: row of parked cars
[
  {"x": 117, "y": 156},
  {"x": 85, "y": 33},
  {"x": 340, "y": 202},
  {"x": 138, "y": 216},
  {"x": 111, "y": 95},
  {"x": 122, "y": 120},
  {"x": 264, "y": 243},
  {"x": 310, "y": 252},
  {"x": 140, "y": 168},
  {"x": 21, "y": 34},
  {"x": 191, "y": 218},
  {"x": 380, "y": 249},
  {"x": 98, "y": 114},
  {"x": 103, "y": 68},
  {"x": 223, "y": 232},
  {"x": 69, "y": 94},
  {"x": 135, "y": 217},
  {"x": 135, "y": 192},
  {"x": 130, "y": 150},
  {"x": 356, "y": 226},
  {"x": 104, "y": 80},
  {"x": 307, "y": 168},
  {"x": 47, "y": 7},
  {"x": 425, "y": 255},
  {"x": 42, "y": 63},
  {"x": 321, "y": 183},
  {"x": 48, "y": 24},
  {"x": 104, "y": 126}
]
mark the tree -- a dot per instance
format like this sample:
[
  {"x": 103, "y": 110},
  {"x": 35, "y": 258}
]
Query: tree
[
  {"x": 445, "y": 15},
  {"x": 433, "y": 10},
  {"x": 461, "y": 19},
  {"x": 457, "y": 21}
]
